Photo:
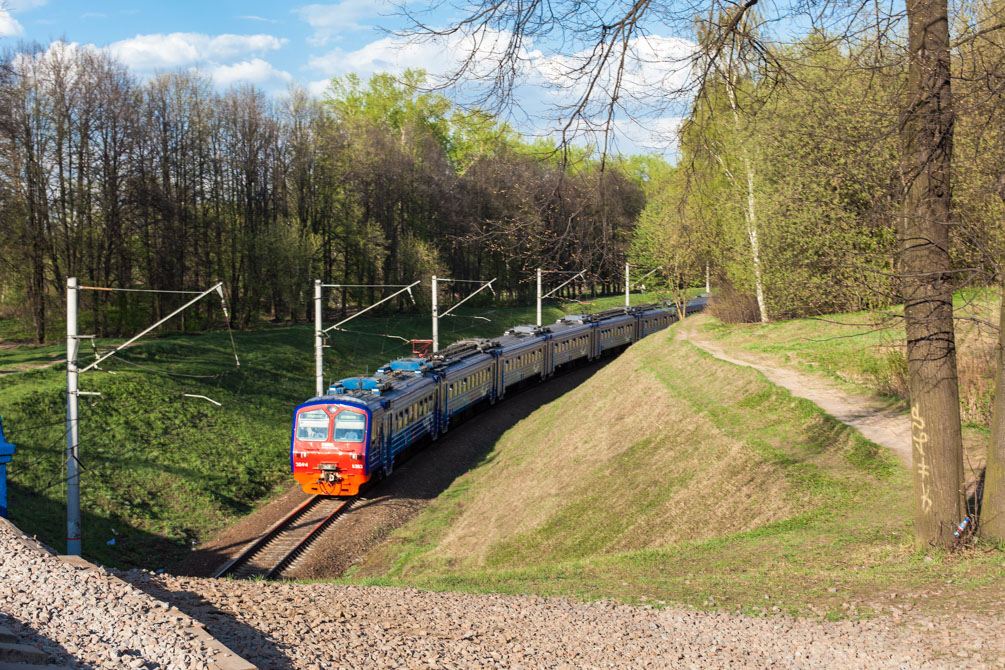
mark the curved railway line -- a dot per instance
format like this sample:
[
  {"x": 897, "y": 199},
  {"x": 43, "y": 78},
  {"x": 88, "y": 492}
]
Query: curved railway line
[{"x": 268, "y": 555}]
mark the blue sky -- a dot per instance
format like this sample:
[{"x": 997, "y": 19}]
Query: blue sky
[
  {"x": 269, "y": 44},
  {"x": 274, "y": 45}
]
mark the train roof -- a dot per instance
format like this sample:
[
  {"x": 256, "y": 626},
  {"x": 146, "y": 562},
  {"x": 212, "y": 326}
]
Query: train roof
[{"x": 520, "y": 336}]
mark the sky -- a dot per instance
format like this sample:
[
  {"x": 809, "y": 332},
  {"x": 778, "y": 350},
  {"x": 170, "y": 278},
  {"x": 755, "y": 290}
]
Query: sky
[{"x": 274, "y": 45}]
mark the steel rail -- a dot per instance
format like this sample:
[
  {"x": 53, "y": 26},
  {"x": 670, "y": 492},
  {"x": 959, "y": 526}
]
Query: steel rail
[{"x": 286, "y": 526}]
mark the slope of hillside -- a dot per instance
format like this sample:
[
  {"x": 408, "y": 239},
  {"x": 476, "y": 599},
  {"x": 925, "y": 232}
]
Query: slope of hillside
[{"x": 673, "y": 476}]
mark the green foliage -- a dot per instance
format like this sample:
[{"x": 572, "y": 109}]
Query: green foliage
[{"x": 160, "y": 470}]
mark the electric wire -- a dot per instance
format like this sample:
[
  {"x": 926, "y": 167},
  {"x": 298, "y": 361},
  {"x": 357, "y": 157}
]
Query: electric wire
[
  {"x": 18, "y": 429},
  {"x": 131, "y": 290},
  {"x": 171, "y": 374}
]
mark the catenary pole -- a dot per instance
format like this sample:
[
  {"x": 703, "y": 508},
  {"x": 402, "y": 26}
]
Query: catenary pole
[
  {"x": 72, "y": 471},
  {"x": 627, "y": 298},
  {"x": 73, "y": 371},
  {"x": 436, "y": 309},
  {"x": 436, "y": 320},
  {"x": 318, "y": 342},
  {"x": 539, "y": 296},
  {"x": 320, "y": 330}
]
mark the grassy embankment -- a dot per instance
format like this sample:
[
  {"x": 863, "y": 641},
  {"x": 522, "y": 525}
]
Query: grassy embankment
[
  {"x": 161, "y": 471},
  {"x": 670, "y": 476}
]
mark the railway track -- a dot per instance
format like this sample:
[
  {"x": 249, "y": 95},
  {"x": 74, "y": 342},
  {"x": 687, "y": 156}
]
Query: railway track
[{"x": 271, "y": 553}]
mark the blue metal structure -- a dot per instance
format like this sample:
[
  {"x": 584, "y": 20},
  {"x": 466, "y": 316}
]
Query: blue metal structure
[{"x": 6, "y": 454}]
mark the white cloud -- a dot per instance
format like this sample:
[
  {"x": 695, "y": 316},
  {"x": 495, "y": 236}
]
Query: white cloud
[
  {"x": 658, "y": 135},
  {"x": 148, "y": 52},
  {"x": 255, "y": 71},
  {"x": 653, "y": 87},
  {"x": 59, "y": 52},
  {"x": 316, "y": 88},
  {"x": 330, "y": 20},
  {"x": 656, "y": 66},
  {"x": 252, "y": 17},
  {"x": 17, "y": 6},
  {"x": 393, "y": 54},
  {"x": 9, "y": 27}
]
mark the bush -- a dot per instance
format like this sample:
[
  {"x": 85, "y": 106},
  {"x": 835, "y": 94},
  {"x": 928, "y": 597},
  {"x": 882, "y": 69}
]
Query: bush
[{"x": 732, "y": 306}]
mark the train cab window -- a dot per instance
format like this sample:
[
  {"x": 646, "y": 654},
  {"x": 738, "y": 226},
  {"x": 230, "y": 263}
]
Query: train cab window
[
  {"x": 349, "y": 427},
  {"x": 312, "y": 426}
]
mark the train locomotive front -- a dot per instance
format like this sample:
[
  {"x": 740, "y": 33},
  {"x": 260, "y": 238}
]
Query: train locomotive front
[{"x": 329, "y": 447}]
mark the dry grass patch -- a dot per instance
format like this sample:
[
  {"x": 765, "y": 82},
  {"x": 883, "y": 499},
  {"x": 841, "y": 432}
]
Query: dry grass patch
[{"x": 664, "y": 446}]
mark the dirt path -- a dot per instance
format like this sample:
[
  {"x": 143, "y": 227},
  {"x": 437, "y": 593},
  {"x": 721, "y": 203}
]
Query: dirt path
[{"x": 870, "y": 415}]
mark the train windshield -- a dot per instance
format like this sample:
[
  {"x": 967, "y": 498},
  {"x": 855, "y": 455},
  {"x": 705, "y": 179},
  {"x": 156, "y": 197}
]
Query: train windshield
[
  {"x": 312, "y": 426},
  {"x": 349, "y": 427}
]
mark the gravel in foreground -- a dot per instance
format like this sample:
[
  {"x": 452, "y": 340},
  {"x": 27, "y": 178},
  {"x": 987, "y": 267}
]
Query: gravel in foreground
[
  {"x": 313, "y": 626},
  {"x": 89, "y": 619}
]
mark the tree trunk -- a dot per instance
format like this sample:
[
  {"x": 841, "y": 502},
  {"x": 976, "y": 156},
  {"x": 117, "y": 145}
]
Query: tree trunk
[
  {"x": 926, "y": 139},
  {"x": 755, "y": 246}
]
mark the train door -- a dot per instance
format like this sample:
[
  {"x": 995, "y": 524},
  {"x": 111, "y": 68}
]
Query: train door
[
  {"x": 444, "y": 408},
  {"x": 496, "y": 373},
  {"x": 549, "y": 358},
  {"x": 385, "y": 442}
]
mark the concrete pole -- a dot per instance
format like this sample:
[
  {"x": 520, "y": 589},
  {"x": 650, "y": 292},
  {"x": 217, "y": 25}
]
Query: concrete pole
[
  {"x": 628, "y": 301},
  {"x": 436, "y": 320},
  {"x": 708, "y": 286},
  {"x": 539, "y": 296},
  {"x": 72, "y": 442},
  {"x": 318, "y": 340}
]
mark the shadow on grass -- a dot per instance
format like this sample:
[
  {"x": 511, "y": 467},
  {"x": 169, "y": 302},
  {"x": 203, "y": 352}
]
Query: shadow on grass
[
  {"x": 423, "y": 475},
  {"x": 45, "y": 519}
]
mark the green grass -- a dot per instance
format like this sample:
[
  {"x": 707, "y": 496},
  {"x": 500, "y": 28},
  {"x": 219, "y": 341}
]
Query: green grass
[
  {"x": 842, "y": 547},
  {"x": 161, "y": 471},
  {"x": 866, "y": 351}
]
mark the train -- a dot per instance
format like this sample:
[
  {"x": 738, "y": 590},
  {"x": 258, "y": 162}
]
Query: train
[{"x": 353, "y": 434}]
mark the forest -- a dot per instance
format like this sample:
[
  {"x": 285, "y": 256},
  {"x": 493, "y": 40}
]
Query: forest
[
  {"x": 169, "y": 184},
  {"x": 787, "y": 194}
]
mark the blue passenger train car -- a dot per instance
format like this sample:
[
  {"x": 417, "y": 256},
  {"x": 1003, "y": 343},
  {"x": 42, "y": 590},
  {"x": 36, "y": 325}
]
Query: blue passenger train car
[{"x": 355, "y": 432}]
